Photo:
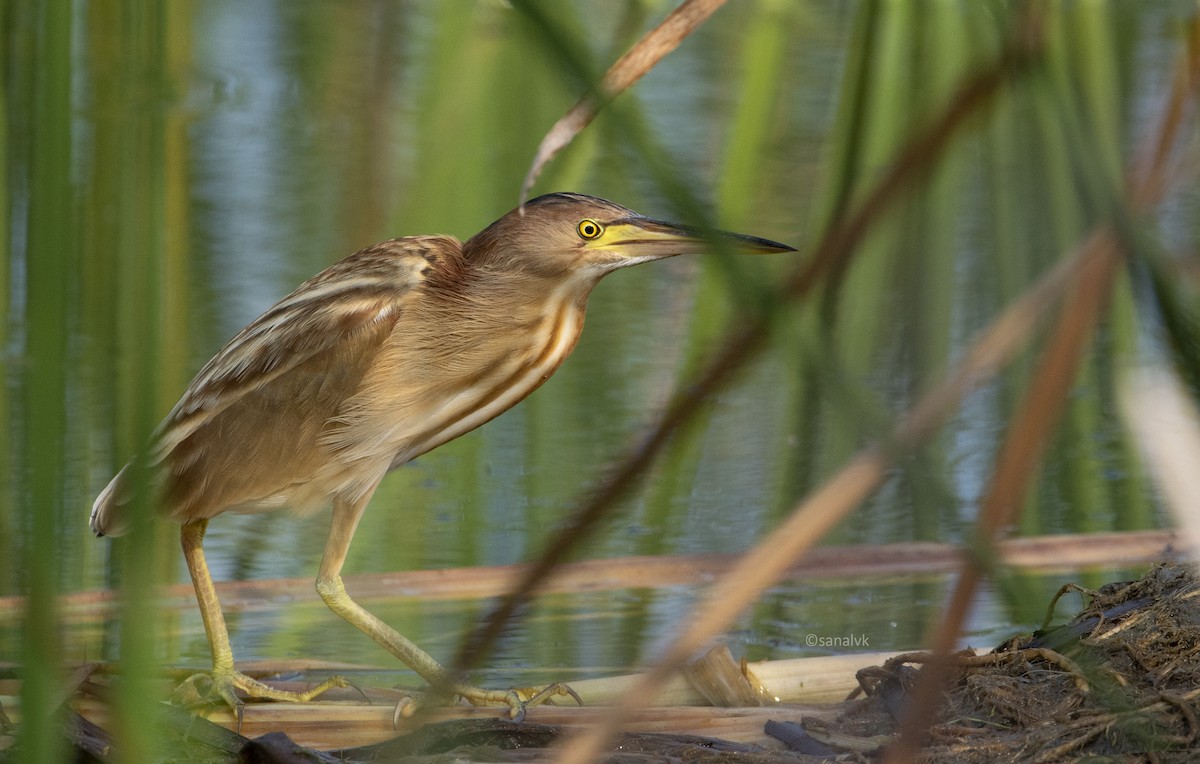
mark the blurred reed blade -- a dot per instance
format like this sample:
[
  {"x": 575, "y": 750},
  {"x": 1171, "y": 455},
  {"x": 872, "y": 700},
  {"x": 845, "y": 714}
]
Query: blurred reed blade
[
  {"x": 49, "y": 258},
  {"x": 1178, "y": 323},
  {"x": 863, "y": 473},
  {"x": 1035, "y": 420},
  {"x": 1018, "y": 460},
  {"x": 1153, "y": 174},
  {"x": 129, "y": 44},
  {"x": 762, "y": 566},
  {"x": 1163, "y": 418},
  {"x": 8, "y": 532},
  {"x": 628, "y": 69},
  {"x": 836, "y": 244}
]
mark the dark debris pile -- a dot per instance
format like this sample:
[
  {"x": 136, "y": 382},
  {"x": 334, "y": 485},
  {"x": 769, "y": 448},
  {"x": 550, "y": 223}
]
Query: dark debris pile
[{"x": 1119, "y": 682}]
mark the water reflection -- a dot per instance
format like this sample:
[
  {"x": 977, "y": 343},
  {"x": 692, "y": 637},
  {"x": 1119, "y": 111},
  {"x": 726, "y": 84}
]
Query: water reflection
[{"x": 298, "y": 132}]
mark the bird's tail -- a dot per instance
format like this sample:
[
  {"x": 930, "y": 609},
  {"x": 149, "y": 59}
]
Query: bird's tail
[{"x": 108, "y": 515}]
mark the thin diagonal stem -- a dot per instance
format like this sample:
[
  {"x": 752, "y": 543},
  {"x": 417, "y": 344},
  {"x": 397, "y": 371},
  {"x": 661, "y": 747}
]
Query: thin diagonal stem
[
  {"x": 762, "y": 566},
  {"x": 912, "y": 163},
  {"x": 1035, "y": 420}
]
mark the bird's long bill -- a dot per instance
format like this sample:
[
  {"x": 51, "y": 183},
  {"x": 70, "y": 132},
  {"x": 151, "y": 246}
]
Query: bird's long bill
[{"x": 644, "y": 238}]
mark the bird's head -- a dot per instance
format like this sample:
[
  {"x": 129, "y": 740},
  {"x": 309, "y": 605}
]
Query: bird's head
[{"x": 561, "y": 234}]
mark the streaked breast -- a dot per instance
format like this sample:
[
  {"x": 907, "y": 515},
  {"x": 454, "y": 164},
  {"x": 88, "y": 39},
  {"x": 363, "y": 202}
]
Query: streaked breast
[{"x": 502, "y": 384}]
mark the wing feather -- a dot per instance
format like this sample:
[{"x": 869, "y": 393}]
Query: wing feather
[
  {"x": 245, "y": 433},
  {"x": 359, "y": 295}
]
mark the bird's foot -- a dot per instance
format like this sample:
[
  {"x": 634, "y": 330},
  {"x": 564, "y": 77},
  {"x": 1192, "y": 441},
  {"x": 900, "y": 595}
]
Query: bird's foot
[
  {"x": 518, "y": 700},
  {"x": 223, "y": 686}
]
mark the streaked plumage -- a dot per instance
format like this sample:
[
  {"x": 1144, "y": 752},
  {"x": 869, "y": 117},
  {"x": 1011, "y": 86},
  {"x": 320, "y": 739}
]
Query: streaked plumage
[{"x": 379, "y": 358}]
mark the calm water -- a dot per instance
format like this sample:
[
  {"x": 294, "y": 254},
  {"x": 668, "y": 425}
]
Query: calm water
[{"x": 288, "y": 134}]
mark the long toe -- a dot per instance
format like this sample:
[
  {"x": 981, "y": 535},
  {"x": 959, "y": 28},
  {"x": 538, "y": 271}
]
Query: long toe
[
  {"x": 558, "y": 689},
  {"x": 224, "y": 686},
  {"x": 518, "y": 700}
]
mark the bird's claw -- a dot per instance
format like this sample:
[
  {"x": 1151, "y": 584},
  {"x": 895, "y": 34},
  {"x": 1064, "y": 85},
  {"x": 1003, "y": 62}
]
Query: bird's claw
[
  {"x": 405, "y": 708},
  {"x": 517, "y": 706},
  {"x": 518, "y": 702},
  {"x": 557, "y": 689},
  {"x": 223, "y": 687}
]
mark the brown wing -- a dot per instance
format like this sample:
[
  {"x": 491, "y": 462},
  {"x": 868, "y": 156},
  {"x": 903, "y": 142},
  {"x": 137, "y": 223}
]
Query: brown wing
[{"x": 246, "y": 433}]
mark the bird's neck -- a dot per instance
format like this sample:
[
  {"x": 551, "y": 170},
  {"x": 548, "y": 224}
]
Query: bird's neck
[
  {"x": 486, "y": 315},
  {"x": 529, "y": 297},
  {"x": 503, "y": 299}
]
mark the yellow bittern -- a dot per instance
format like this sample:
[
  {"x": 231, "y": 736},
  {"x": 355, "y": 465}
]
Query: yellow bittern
[{"x": 379, "y": 358}]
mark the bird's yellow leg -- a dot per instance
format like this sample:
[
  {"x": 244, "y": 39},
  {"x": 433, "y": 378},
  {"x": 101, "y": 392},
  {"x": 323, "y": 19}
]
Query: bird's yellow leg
[
  {"x": 225, "y": 680},
  {"x": 329, "y": 585}
]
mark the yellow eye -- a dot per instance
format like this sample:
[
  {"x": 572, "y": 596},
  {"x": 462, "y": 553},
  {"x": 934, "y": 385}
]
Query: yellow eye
[{"x": 589, "y": 229}]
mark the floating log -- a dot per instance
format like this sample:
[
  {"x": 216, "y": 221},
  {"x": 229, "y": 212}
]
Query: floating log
[
  {"x": 327, "y": 726},
  {"x": 786, "y": 690},
  {"x": 1042, "y": 553}
]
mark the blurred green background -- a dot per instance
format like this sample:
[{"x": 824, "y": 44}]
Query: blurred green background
[{"x": 171, "y": 169}]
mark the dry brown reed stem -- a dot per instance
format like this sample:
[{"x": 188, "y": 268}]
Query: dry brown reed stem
[
  {"x": 1006, "y": 336},
  {"x": 627, "y": 70},
  {"x": 836, "y": 245},
  {"x": 1035, "y": 420},
  {"x": 1151, "y": 176}
]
